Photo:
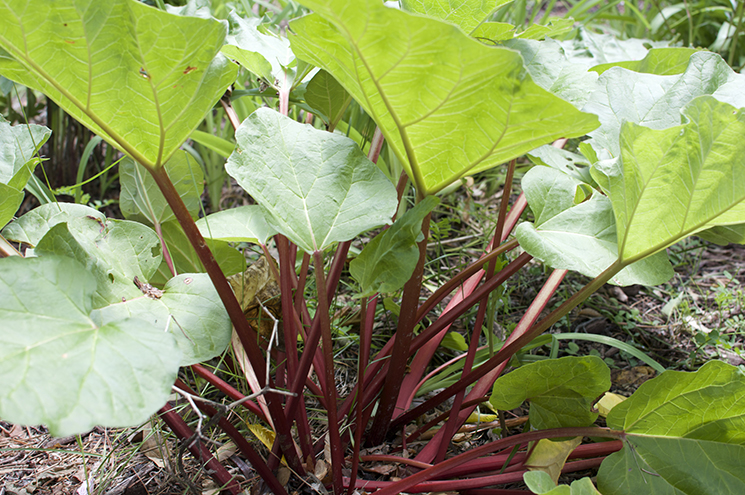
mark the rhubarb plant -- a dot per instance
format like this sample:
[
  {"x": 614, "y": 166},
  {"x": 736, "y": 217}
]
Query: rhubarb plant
[{"x": 99, "y": 314}]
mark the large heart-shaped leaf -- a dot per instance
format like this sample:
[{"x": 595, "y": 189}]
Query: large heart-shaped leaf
[
  {"x": 447, "y": 104},
  {"x": 114, "y": 251},
  {"x": 672, "y": 183},
  {"x": 62, "y": 369},
  {"x": 188, "y": 307},
  {"x": 579, "y": 237},
  {"x": 561, "y": 391},
  {"x": 685, "y": 430},
  {"x": 314, "y": 187},
  {"x": 137, "y": 76}
]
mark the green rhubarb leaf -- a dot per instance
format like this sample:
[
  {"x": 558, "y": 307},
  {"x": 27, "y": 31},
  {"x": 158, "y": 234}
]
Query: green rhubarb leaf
[
  {"x": 10, "y": 199},
  {"x": 561, "y": 391},
  {"x": 242, "y": 224},
  {"x": 265, "y": 54},
  {"x": 62, "y": 369},
  {"x": 656, "y": 101},
  {"x": 221, "y": 146},
  {"x": 553, "y": 69},
  {"x": 540, "y": 482},
  {"x": 675, "y": 182},
  {"x": 708, "y": 404},
  {"x": 464, "y": 13},
  {"x": 388, "y": 261},
  {"x": 491, "y": 33},
  {"x": 314, "y": 187},
  {"x": 31, "y": 227},
  {"x": 327, "y": 96},
  {"x": 127, "y": 71},
  {"x": 114, "y": 251},
  {"x": 554, "y": 29},
  {"x": 724, "y": 235},
  {"x": 141, "y": 199},
  {"x": 18, "y": 144},
  {"x": 185, "y": 259},
  {"x": 687, "y": 429},
  {"x": 188, "y": 307},
  {"x": 579, "y": 237},
  {"x": 666, "y": 61},
  {"x": 595, "y": 49},
  {"x": 621, "y": 474},
  {"x": 447, "y": 105},
  {"x": 572, "y": 164}
]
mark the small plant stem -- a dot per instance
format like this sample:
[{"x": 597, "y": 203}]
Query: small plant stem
[
  {"x": 522, "y": 438},
  {"x": 198, "y": 450},
  {"x": 337, "y": 452},
  {"x": 286, "y": 272},
  {"x": 404, "y": 336},
  {"x": 365, "y": 342},
  {"x": 7, "y": 249},
  {"x": 506, "y": 190},
  {"x": 228, "y": 389},
  {"x": 453, "y": 424},
  {"x": 314, "y": 334},
  {"x": 245, "y": 333},
  {"x": 736, "y": 35},
  {"x": 486, "y": 382},
  {"x": 509, "y": 350},
  {"x": 453, "y": 283},
  {"x": 284, "y": 96},
  {"x": 375, "y": 145},
  {"x": 230, "y": 112},
  {"x": 299, "y": 299},
  {"x": 166, "y": 253}
]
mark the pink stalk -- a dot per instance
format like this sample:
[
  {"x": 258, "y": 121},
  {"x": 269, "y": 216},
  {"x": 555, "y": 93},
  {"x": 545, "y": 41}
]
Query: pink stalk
[
  {"x": 424, "y": 356},
  {"x": 407, "y": 484},
  {"x": 367, "y": 318},
  {"x": 404, "y": 336},
  {"x": 372, "y": 388},
  {"x": 484, "y": 385},
  {"x": 509, "y": 350},
  {"x": 473, "y": 269},
  {"x": 286, "y": 272},
  {"x": 379, "y": 362},
  {"x": 337, "y": 452}
]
